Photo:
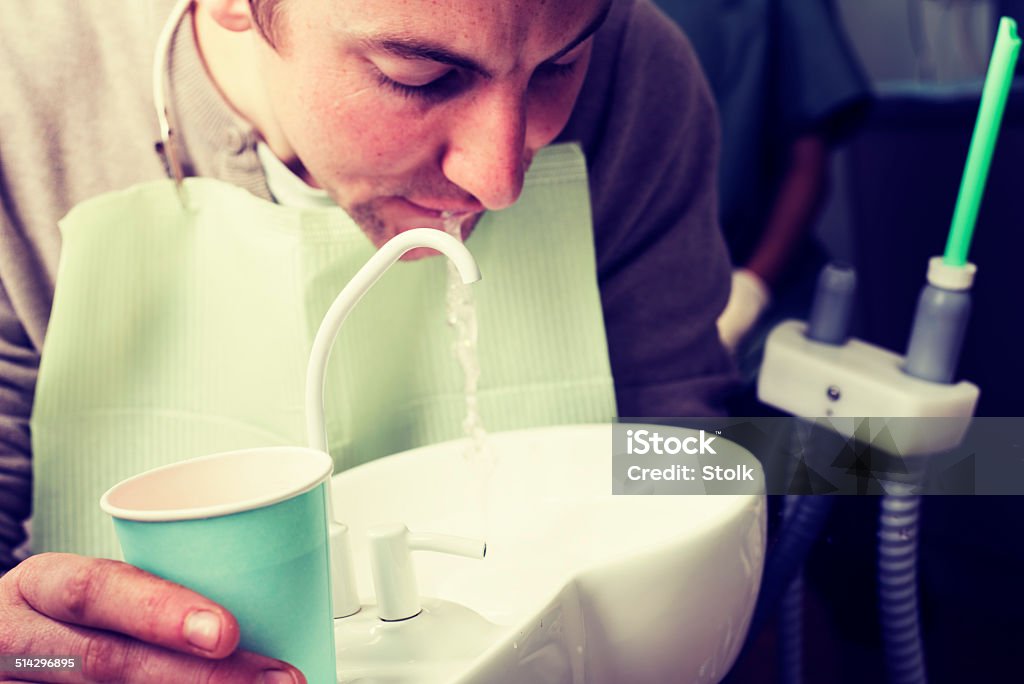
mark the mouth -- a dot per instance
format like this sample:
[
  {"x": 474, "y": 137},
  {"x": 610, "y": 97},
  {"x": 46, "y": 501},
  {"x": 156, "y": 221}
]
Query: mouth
[
  {"x": 444, "y": 215},
  {"x": 442, "y": 209}
]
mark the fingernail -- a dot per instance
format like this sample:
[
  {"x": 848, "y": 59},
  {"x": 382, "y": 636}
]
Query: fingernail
[
  {"x": 202, "y": 630},
  {"x": 276, "y": 677}
]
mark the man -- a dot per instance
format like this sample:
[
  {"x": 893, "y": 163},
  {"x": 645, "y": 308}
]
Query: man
[{"x": 399, "y": 111}]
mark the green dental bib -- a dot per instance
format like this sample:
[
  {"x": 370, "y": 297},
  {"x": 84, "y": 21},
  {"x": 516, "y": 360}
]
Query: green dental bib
[{"x": 176, "y": 333}]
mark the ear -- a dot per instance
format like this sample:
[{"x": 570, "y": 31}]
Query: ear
[{"x": 233, "y": 15}]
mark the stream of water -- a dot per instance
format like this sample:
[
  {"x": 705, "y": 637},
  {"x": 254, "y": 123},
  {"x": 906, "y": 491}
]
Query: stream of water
[{"x": 461, "y": 316}]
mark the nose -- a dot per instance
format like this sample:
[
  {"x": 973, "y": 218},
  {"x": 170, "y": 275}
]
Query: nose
[{"x": 486, "y": 154}]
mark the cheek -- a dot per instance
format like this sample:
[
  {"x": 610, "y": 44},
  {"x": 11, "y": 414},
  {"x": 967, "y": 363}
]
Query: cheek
[
  {"x": 547, "y": 118},
  {"x": 329, "y": 113},
  {"x": 549, "y": 110},
  {"x": 347, "y": 131}
]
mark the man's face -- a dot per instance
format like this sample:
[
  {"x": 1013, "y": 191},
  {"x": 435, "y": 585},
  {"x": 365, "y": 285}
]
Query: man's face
[{"x": 404, "y": 109}]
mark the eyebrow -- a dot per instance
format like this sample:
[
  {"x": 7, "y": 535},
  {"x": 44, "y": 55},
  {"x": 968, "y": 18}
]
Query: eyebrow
[{"x": 410, "y": 48}]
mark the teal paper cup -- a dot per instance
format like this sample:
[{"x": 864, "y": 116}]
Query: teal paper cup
[{"x": 248, "y": 529}]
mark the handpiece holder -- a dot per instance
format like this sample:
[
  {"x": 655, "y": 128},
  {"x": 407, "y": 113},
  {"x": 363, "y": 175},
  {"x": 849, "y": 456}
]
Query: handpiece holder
[
  {"x": 843, "y": 378},
  {"x": 860, "y": 380},
  {"x": 394, "y": 576}
]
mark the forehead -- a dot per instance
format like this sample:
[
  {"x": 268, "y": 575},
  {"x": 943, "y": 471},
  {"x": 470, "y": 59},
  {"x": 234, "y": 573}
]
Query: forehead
[{"x": 496, "y": 29}]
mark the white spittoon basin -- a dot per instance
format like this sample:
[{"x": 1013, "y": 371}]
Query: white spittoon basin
[{"x": 578, "y": 585}]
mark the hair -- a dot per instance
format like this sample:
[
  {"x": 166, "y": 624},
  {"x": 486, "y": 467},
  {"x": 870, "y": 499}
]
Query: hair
[{"x": 264, "y": 13}]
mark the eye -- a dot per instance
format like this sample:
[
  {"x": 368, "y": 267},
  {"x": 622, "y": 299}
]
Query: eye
[
  {"x": 567, "y": 65},
  {"x": 556, "y": 70},
  {"x": 436, "y": 90}
]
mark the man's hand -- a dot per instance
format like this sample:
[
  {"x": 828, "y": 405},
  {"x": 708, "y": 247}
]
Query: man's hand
[
  {"x": 124, "y": 625},
  {"x": 747, "y": 301}
]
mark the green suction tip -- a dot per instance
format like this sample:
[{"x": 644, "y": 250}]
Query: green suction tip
[{"x": 983, "y": 142}]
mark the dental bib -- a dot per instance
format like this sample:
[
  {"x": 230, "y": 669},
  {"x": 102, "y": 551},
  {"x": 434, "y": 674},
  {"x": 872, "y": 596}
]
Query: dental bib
[{"x": 177, "y": 332}]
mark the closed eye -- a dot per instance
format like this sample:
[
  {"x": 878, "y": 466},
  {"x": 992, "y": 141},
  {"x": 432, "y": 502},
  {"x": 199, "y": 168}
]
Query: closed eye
[
  {"x": 452, "y": 82},
  {"x": 437, "y": 90},
  {"x": 555, "y": 70}
]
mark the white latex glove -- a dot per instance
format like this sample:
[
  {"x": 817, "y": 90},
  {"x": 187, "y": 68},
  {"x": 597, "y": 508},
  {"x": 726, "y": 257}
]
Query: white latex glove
[{"x": 747, "y": 301}]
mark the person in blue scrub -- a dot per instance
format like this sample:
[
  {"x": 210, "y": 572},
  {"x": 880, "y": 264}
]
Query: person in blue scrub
[{"x": 789, "y": 89}]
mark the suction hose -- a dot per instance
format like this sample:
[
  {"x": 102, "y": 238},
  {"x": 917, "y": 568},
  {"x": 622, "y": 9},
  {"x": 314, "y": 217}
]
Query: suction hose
[
  {"x": 897, "y": 580},
  {"x": 802, "y": 525},
  {"x": 791, "y": 614}
]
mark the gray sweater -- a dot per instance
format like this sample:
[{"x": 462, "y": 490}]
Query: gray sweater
[{"x": 76, "y": 120}]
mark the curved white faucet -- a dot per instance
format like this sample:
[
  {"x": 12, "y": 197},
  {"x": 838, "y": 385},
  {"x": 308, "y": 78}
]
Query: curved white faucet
[{"x": 346, "y": 598}]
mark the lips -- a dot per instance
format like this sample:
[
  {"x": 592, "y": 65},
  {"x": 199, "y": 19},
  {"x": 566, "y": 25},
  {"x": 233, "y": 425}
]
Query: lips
[
  {"x": 399, "y": 215},
  {"x": 439, "y": 207}
]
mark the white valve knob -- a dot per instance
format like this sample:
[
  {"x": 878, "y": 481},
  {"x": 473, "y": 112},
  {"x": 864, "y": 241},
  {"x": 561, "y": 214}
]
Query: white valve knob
[{"x": 391, "y": 562}]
